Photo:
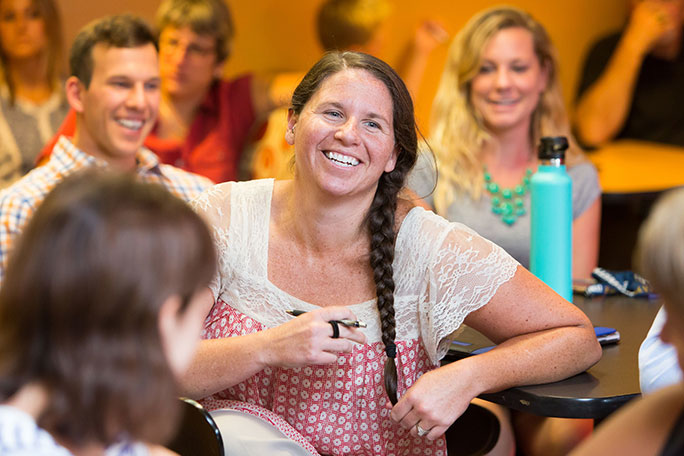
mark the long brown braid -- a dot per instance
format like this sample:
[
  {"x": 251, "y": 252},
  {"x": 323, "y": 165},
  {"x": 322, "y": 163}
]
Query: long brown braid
[{"x": 381, "y": 215}]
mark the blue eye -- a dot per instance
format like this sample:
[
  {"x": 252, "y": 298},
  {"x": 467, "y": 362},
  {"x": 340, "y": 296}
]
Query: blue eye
[
  {"x": 152, "y": 85},
  {"x": 372, "y": 124},
  {"x": 335, "y": 115},
  {"x": 121, "y": 84}
]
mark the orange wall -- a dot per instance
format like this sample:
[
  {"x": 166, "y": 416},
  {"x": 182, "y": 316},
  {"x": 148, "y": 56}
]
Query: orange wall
[{"x": 273, "y": 35}]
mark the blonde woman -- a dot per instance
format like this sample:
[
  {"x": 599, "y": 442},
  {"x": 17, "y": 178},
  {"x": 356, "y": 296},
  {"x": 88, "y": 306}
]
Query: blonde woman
[
  {"x": 32, "y": 104},
  {"x": 499, "y": 94}
]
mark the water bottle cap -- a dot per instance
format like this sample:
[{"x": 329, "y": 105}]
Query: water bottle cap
[{"x": 552, "y": 147}]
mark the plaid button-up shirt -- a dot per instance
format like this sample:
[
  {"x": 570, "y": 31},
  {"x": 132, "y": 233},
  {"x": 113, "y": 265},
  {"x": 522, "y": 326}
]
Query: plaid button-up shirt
[{"x": 19, "y": 201}]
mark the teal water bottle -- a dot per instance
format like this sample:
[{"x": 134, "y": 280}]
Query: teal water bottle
[{"x": 551, "y": 218}]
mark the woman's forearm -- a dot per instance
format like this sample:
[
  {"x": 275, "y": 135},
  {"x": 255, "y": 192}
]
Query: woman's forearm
[
  {"x": 542, "y": 357},
  {"x": 541, "y": 337},
  {"x": 304, "y": 340},
  {"x": 602, "y": 110},
  {"x": 221, "y": 363}
]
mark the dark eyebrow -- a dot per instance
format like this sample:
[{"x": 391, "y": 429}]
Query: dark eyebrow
[
  {"x": 117, "y": 78},
  {"x": 334, "y": 104},
  {"x": 371, "y": 115}
]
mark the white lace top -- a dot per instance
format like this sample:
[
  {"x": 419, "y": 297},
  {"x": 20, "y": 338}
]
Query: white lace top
[{"x": 442, "y": 272}]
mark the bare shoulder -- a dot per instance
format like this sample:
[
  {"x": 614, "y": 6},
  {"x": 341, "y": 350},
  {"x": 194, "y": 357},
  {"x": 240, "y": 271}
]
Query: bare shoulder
[
  {"x": 404, "y": 206},
  {"x": 640, "y": 428},
  {"x": 412, "y": 198}
]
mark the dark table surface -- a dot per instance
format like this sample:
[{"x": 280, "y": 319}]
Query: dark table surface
[{"x": 606, "y": 386}]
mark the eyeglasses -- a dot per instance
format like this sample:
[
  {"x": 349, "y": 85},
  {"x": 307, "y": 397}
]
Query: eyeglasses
[{"x": 173, "y": 45}]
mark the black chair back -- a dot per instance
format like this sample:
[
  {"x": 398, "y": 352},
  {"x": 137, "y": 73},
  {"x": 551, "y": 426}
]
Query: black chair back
[
  {"x": 474, "y": 433},
  {"x": 197, "y": 432}
]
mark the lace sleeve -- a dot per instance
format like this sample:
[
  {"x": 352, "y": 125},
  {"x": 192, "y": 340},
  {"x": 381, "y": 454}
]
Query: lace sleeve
[
  {"x": 464, "y": 272},
  {"x": 213, "y": 205}
]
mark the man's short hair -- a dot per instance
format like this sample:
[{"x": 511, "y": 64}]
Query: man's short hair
[
  {"x": 118, "y": 31},
  {"x": 346, "y": 23}
]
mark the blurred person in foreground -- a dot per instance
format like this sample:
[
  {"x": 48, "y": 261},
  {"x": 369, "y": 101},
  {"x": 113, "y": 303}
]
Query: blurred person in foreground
[
  {"x": 100, "y": 312},
  {"x": 654, "y": 425}
]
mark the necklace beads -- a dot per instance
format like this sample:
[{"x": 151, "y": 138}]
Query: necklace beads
[{"x": 508, "y": 203}]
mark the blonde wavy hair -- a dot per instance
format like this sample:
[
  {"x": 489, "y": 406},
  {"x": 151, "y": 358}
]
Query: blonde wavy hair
[
  {"x": 457, "y": 131},
  {"x": 659, "y": 253}
]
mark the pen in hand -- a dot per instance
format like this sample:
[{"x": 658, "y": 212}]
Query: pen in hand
[{"x": 347, "y": 323}]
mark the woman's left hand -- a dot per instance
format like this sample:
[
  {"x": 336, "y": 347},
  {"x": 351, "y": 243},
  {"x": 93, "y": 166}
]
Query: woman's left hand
[{"x": 436, "y": 400}]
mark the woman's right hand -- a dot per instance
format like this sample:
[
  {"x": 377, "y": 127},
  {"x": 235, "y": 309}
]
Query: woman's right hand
[{"x": 307, "y": 339}]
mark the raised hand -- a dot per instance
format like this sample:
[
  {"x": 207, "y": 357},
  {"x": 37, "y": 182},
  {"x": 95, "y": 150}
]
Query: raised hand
[
  {"x": 428, "y": 36},
  {"x": 652, "y": 23}
]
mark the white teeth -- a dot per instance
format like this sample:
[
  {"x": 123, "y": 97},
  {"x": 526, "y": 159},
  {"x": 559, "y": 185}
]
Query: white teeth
[
  {"x": 132, "y": 124},
  {"x": 342, "y": 159},
  {"x": 504, "y": 102}
]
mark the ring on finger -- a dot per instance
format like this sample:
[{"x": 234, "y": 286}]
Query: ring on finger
[
  {"x": 336, "y": 329},
  {"x": 421, "y": 432}
]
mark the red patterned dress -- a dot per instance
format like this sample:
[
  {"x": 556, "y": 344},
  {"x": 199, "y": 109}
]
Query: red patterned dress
[{"x": 443, "y": 271}]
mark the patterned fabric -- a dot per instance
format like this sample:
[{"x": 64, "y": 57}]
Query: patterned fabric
[
  {"x": 19, "y": 201},
  {"x": 443, "y": 271},
  {"x": 21, "y": 436},
  {"x": 24, "y": 128}
]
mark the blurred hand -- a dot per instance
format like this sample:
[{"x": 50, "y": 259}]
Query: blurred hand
[
  {"x": 307, "y": 339},
  {"x": 428, "y": 36},
  {"x": 653, "y": 22}
]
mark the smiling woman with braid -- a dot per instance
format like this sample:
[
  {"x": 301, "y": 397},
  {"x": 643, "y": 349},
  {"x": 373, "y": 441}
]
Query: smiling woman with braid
[{"x": 339, "y": 243}]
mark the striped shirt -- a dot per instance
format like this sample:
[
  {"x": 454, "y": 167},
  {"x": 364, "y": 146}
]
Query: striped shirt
[{"x": 19, "y": 201}]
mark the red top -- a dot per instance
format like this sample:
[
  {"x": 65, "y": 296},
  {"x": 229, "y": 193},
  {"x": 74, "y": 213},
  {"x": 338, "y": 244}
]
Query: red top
[{"x": 215, "y": 140}]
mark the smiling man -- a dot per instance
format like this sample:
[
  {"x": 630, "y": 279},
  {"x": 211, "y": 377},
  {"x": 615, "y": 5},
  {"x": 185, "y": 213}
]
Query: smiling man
[{"x": 114, "y": 88}]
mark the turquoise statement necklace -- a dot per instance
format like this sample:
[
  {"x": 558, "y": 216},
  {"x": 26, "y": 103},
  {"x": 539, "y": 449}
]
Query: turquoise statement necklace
[{"x": 508, "y": 203}]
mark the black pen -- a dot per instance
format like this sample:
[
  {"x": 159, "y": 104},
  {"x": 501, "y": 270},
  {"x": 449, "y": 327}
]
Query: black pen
[{"x": 348, "y": 323}]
